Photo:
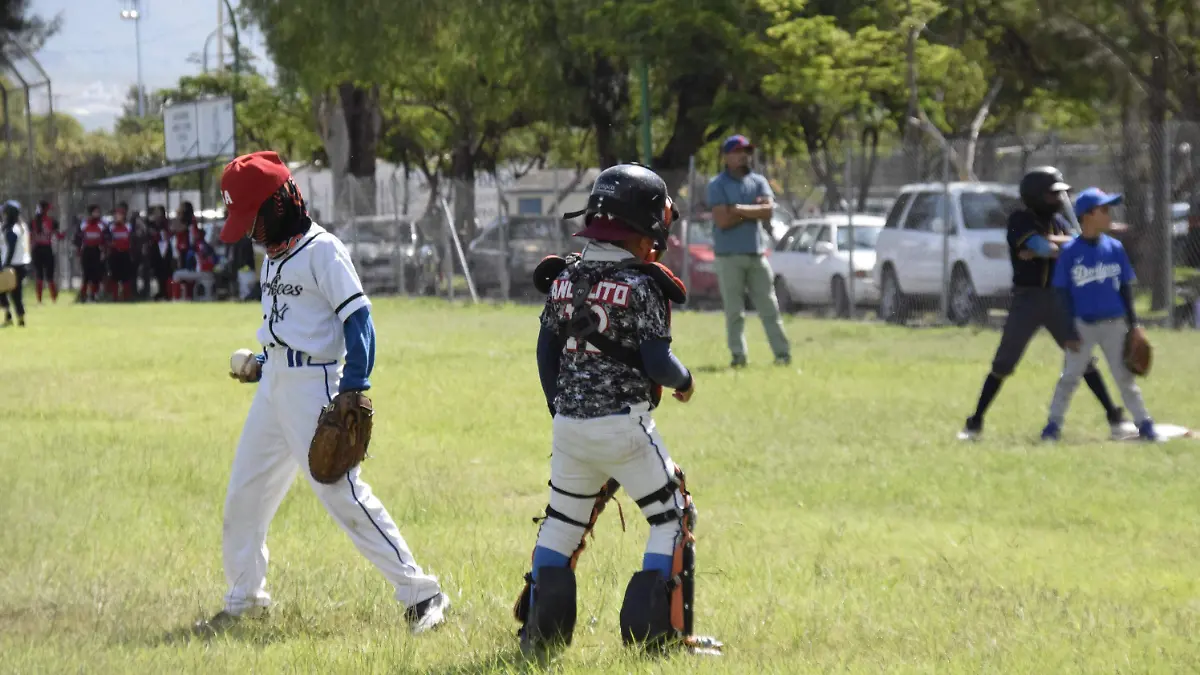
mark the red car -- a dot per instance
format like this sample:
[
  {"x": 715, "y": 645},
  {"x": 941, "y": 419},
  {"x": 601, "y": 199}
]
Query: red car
[{"x": 699, "y": 271}]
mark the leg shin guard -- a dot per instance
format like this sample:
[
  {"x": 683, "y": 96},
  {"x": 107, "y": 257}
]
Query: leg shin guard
[{"x": 551, "y": 618}]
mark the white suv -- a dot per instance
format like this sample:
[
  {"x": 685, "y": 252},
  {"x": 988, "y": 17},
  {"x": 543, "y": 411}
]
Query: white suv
[{"x": 909, "y": 254}]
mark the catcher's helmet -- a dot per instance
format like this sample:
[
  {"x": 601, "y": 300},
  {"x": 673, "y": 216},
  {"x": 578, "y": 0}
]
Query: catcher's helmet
[
  {"x": 635, "y": 196},
  {"x": 1039, "y": 182}
]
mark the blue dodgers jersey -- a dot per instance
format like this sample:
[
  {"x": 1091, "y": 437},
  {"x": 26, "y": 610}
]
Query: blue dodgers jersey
[{"x": 1093, "y": 273}]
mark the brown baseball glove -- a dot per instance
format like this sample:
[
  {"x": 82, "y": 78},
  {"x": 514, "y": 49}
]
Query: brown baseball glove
[
  {"x": 1138, "y": 352},
  {"x": 342, "y": 436}
]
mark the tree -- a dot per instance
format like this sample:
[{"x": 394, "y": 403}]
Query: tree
[
  {"x": 334, "y": 54},
  {"x": 19, "y": 27}
]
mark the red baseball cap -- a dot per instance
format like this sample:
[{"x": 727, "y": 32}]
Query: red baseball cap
[{"x": 249, "y": 181}]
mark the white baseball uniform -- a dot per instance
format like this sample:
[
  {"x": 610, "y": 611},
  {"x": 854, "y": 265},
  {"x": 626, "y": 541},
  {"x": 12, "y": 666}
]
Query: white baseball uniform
[{"x": 307, "y": 294}]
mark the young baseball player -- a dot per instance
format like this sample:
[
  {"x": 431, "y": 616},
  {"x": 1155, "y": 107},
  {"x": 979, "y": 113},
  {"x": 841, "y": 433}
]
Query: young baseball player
[
  {"x": 603, "y": 357},
  {"x": 45, "y": 231},
  {"x": 17, "y": 256},
  {"x": 319, "y": 341},
  {"x": 91, "y": 246},
  {"x": 121, "y": 270},
  {"x": 1093, "y": 279},
  {"x": 1035, "y": 235}
]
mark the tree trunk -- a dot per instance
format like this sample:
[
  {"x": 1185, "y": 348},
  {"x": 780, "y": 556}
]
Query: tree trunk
[
  {"x": 871, "y": 156},
  {"x": 977, "y": 126},
  {"x": 360, "y": 109},
  {"x": 462, "y": 178},
  {"x": 607, "y": 103},
  {"x": 695, "y": 96},
  {"x": 911, "y": 135},
  {"x": 1133, "y": 176},
  {"x": 1157, "y": 239}
]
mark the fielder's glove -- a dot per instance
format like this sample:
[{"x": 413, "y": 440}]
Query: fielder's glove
[
  {"x": 1138, "y": 352},
  {"x": 342, "y": 436}
]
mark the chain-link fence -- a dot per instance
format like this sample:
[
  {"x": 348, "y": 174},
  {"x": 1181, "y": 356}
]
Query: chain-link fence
[{"x": 916, "y": 233}]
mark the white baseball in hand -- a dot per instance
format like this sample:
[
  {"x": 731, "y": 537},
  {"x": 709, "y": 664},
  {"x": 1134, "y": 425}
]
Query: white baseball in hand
[{"x": 242, "y": 363}]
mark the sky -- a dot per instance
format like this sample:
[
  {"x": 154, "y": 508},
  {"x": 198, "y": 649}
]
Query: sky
[{"x": 92, "y": 61}]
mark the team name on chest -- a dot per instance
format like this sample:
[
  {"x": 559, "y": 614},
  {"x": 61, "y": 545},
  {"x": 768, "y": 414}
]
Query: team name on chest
[
  {"x": 606, "y": 292},
  {"x": 279, "y": 287},
  {"x": 1083, "y": 275}
]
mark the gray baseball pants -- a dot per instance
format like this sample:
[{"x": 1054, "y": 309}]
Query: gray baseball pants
[{"x": 1110, "y": 337}]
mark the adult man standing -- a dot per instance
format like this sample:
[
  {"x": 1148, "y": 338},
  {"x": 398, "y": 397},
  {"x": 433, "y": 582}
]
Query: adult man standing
[{"x": 742, "y": 204}]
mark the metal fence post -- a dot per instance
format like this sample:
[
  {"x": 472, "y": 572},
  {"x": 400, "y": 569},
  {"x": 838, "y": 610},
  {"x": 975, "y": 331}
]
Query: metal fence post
[
  {"x": 945, "y": 299},
  {"x": 1168, "y": 145},
  {"x": 503, "y": 234},
  {"x": 850, "y": 208},
  {"x": 686, "y": 234}
]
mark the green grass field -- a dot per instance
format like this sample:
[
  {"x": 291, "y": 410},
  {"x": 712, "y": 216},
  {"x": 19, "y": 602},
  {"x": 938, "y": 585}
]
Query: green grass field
[{"x": 842, "y": 527}]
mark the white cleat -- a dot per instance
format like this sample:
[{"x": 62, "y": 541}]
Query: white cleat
[{"x": 427, "y": 614}]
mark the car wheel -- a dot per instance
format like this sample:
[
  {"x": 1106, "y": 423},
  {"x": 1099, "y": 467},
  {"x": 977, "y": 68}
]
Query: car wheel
[
  {"x": 784, "y": 296},
  {"x": 963, "y": 303},
  {"x": 840, "y": 298},
  {"x": 892, "y": 305}
]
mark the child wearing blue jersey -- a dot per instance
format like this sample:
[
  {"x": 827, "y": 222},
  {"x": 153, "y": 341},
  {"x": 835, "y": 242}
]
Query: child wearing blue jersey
[{"x": 1093, "y": 278}]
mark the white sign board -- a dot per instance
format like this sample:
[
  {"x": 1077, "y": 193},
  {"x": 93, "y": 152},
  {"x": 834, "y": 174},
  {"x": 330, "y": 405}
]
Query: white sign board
[{"x": 199, "y": 130}]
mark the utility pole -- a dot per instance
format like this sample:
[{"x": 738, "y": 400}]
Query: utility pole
[{"x": 132, "y": 14}]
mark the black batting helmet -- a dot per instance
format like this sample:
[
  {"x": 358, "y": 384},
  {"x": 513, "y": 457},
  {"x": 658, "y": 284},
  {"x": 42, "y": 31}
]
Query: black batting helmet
[
  {"x": 634, "y": 196},
  {"x": 1039, "y": 182}
]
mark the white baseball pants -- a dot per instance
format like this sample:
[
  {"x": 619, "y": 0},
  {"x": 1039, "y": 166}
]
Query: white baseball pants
[
  {"x": 587, "y": 452},
  {"x": 274, "y": 443}
]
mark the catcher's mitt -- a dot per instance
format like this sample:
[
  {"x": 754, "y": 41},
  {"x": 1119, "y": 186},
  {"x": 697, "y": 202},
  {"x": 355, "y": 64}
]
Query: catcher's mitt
[
  {"x": 342, "y": 436},
  {"x": 1138, "y": 353}
]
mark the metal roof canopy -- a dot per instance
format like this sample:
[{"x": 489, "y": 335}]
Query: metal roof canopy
[{"x": 150, "y": 176}]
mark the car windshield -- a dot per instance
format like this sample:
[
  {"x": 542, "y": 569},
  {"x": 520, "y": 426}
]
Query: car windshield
[
  {"x": 988, "y": 210},
  {"x": 865, "y": 237},
  {"x": 700, "y": 232}
]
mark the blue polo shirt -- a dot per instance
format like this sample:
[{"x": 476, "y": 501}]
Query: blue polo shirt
[
  {"x": 748, "y": 237},
  {"x": 1092, "y": 272}
]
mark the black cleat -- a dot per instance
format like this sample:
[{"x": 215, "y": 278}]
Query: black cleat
[
  {"x": 971, "y": 430},
  {"x": 739, "y": 361}
]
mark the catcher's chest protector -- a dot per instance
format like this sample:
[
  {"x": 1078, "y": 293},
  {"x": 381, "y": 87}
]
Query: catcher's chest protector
[{"x": 593, "y": 287}]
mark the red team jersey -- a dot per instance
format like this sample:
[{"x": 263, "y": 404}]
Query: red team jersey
[
  {"x": 120, "y": 237},
  {"x": 93, "y": 234},
  {"x": 44, "y": 232}
]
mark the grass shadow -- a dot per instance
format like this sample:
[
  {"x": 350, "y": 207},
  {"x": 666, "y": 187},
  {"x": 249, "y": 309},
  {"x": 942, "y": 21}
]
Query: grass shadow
[
  {"x": 510, "y": 660},
  {"x": 256, "y": 632}
]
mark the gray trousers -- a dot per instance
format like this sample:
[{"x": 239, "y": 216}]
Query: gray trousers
[
  {"x": 1110, "y": 337},
  {"x": 738, "y": 275}
]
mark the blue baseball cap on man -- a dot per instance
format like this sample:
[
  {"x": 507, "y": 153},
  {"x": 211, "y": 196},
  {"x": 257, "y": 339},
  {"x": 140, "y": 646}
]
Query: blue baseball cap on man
[
  {"x": 1092, "y": 198},
  {"x": 736, "y": 142}
]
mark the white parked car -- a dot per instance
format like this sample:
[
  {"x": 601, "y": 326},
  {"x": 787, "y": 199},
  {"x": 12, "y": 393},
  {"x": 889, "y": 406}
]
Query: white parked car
[
  {"x": 812, "y": 262},
  {"x": 909, "y": 265}
]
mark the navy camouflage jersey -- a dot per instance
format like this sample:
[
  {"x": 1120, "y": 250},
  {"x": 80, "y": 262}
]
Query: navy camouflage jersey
[{"x": 631, "y": 309}]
